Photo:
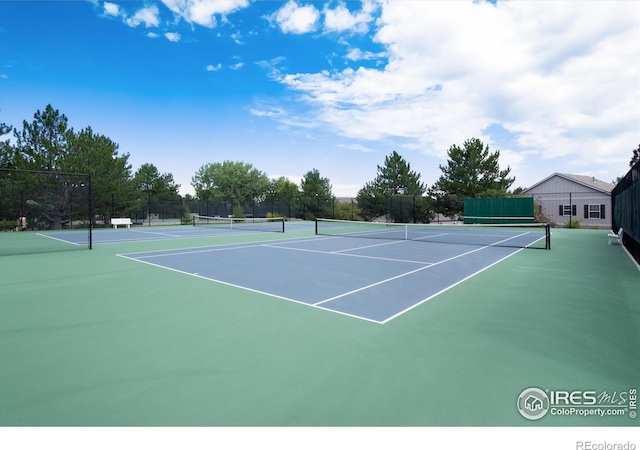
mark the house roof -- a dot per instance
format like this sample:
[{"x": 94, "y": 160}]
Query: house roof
[{"x": 584, "y": 180}]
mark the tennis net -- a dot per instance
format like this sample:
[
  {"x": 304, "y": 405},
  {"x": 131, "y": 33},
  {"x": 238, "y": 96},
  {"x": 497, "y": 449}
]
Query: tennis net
[
  {"x": 267, "y": 224},
  {"x": 534, "y": 235}
]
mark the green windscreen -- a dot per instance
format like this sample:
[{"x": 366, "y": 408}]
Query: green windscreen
[{"x": 499, "y": 210}]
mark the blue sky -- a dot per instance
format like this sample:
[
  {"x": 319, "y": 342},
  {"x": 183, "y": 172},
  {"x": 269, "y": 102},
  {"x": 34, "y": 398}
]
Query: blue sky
[{"x": 291, "y": 86}]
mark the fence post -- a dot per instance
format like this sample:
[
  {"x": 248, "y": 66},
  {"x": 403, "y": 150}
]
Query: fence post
[{"x": 90, "y": 206}]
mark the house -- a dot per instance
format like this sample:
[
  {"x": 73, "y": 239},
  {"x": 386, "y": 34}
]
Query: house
[{"x": 579, "y": 198}]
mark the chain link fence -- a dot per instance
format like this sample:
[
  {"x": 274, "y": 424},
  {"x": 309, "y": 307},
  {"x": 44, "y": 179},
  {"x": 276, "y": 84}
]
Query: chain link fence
[
  {"x": 37, "y": 207},
  {"x": 625, "y": 200}
]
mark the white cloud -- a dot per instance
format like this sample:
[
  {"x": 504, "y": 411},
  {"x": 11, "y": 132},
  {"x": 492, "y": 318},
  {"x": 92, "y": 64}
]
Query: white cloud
[
  {"x": 212, "y": 68},
  {"x": 561, "y": 77},
  {"x": 286, "y": 118},
  {"x": 261, "y": 113},
  {"x": 274, "y": 65},
  {"x": 237, "y": 38},
  {"x": 355, "y": 54},
  {"x": 295, "y": 19},
  {"x": 340, "y": 19},
  {"x": 149, "y": 16},
  {"x": 111, "y": 9},
  {"x": 203, "y": 12},
  {"x": 357, "y": 147},
  {"x": 173, "y": 37},
  {"x": 152, "y": 35},
  {"x": 236, "y": 66}
]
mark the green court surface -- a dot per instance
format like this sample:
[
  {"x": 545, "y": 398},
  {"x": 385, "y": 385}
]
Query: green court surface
[{"x": 91, "y": 339}]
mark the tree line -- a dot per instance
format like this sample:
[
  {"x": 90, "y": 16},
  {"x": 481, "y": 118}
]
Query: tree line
[{"x": 48, "y": 143}]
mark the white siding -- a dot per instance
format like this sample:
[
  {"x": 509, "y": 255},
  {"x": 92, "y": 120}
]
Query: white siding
[{"x": 574, "y": 197}]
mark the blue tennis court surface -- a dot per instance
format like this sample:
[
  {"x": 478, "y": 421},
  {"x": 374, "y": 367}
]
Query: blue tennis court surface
[{"x": 367, "y": 279}]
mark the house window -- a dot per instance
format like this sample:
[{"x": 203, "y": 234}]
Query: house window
[
  {"x": 594, "y": 211},
  {"x": 567, "y": 210}
]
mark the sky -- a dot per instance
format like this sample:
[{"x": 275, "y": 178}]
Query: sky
[{"x": 336, "y": 86}]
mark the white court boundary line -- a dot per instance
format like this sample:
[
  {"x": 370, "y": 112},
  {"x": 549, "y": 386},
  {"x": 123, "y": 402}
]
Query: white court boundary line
[
  {"x": 411, "y": 272},
  {"x": 136, "y": 240},
  {"x": 178, "y": 237},
  {"x": 155, "y": 233},
  {"x": 427, "y": 266},
  {"x": 211, "y": 248},
  {"x": 245, "y": 288},
  {"x": 341, "y": 253},
  {"x": 317, "y": 305},
  {"x": 273, "y": 244},
  {"x": 449, "y": 287},
  {"x": 60, "y": 240}
]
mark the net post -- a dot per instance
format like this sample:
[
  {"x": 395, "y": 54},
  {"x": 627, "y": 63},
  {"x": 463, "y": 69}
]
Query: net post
[
  {"x": 547, "y": 231},
  {"x": 283, "y": 224},
  {"x": 316, "y": 226},
  {"x": 90, "y": 214}
]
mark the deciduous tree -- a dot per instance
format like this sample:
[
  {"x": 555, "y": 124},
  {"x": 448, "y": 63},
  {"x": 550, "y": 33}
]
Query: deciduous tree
[{"x": 232, "y": 182}]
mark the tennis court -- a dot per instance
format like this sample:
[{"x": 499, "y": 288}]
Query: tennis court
[
  {"x": 369, "y": 279},
  {"x": 78, "y": 239},
  {"x": 181, "y": 326}
]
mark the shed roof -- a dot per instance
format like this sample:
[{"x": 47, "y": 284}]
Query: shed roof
[{"x": 585, "y": 180}]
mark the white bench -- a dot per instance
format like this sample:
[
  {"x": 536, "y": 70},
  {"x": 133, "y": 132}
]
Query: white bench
[
  {"x": 613, "y": 236},
  {"x": 115, "y": 221}
]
